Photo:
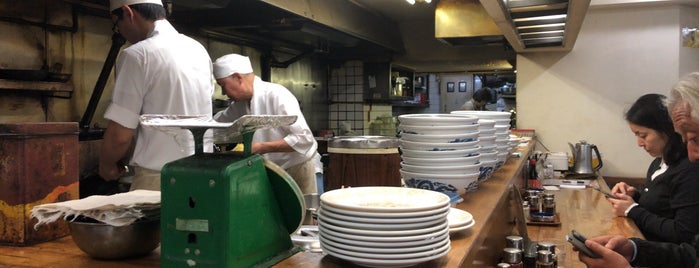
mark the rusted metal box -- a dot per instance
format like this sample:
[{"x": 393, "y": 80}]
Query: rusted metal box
[{"x": 38, "y": 165}]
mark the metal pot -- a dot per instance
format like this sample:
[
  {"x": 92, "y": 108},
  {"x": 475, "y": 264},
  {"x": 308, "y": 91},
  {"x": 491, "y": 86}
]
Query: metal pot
[{"x": 104, "y": 241}]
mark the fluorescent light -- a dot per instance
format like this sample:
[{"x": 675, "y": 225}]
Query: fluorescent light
[{"x": 412, "y": 2}]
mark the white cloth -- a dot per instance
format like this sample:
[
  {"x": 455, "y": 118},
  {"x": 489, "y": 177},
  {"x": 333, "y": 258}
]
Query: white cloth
[
  {"x": 114, "y": 4},
  {"x": 317, "y": 164},
  {"x": 230, "y": 64},
  {"x": 274, "y": 99},
  {"x": 167, "y": 73},
  {"x": 118, "y": 209},
  {"x": 468, "y": 106}
]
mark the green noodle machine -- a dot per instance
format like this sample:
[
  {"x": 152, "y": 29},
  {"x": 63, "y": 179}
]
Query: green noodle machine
[{"x": 226, "y": 209}]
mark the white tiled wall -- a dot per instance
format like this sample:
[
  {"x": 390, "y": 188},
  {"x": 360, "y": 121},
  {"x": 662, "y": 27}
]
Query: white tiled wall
[{"x": 346, "y": 89}]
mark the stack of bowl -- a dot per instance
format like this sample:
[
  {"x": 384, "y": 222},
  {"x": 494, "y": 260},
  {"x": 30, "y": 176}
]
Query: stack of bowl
[
  {"x": 384, "y": 226},
  {"x": 440, "y": 152},
  {"x": 502, "y": 131}
]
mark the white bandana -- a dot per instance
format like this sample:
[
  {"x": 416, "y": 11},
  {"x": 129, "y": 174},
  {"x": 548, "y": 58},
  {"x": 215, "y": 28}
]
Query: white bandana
[{"x": 230, "y": 64}]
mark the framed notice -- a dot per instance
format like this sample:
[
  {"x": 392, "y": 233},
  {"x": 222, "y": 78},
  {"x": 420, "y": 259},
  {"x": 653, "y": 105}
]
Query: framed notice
[
  {"x": 462, "y": 86},
  {"x": 450, "y": 86}
]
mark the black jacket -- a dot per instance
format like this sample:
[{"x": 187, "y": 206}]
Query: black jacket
[
  {"x": 663, "y": 254},
  {"x": 668, "y": 209}
]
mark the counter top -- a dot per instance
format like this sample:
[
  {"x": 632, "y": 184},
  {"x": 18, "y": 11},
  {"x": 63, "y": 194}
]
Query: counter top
[{"x": 481, "y": 245}]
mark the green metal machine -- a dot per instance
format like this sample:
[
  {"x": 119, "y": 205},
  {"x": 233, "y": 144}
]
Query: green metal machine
[{"x": 228, "y": 209}]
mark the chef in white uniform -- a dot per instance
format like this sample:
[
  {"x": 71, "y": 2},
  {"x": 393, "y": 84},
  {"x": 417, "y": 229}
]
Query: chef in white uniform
[
  {"x": 161, "y": 72},
  {"x": 291, "y": 147}
]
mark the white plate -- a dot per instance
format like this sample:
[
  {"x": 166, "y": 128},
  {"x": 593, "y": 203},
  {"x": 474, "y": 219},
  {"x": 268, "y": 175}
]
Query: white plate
[
  {"x": 329, "y": 218},
  {"x": 385, "y": 199},
  {"x": 370, "y": 262},
  {"x": 383, "y": 233},
  {"x": 485, "y": 114},
  {"x": 384, "y": 250},
  {"x": 386, "y": 256},
  {"x": 458, "y": 217},
  {"x": 383, "y": 239},
  {"x": 328, "y": 211},
  {"x": 400, "y": 216},
  {"x": 438, "y": 146},
  {"x": 470, "y": 160},
  {"x": 451, "y": 129},
  {"x": 392, "y": 245},
  {"x": 440, "y": 154},
  {"x": 461, "y": 228},
  {"x": 436, "y": 119}
]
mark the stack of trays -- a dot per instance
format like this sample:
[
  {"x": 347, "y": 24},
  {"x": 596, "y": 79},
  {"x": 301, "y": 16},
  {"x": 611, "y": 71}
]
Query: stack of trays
[
  {"x": 384, "y": 226},
  {"x": 440, "y": 152}
]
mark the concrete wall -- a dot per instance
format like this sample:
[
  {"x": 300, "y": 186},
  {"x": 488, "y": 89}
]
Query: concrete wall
[{"x": 621, "y": 53}]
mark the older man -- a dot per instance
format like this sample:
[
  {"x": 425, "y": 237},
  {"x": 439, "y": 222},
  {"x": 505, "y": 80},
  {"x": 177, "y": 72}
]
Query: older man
[
  {"x": 291, "y": 147},
  {"x": 618, "y": 251}
]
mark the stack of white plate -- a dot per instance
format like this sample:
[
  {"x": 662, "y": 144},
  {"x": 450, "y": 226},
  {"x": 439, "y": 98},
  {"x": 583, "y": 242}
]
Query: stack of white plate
[
  {"x": 502, "y": 132},
  {"x": 440, "y": 152},
  {"x": 384, "y": 226},
  {"x": 489, "y": 152},
  {"x": 459, "y": 220}
]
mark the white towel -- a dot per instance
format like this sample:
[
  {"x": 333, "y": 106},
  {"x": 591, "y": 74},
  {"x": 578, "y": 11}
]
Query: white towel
[{"x": 118, "y": 209}]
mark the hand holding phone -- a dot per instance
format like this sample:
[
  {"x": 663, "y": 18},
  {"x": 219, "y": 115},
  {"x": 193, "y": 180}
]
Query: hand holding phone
[
  {"x": 578, "y": 241},
  {"x": 606, "y": 193}
]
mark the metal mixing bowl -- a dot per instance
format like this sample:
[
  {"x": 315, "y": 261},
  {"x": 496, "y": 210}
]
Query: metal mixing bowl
[{"x": 104, "y": 241}]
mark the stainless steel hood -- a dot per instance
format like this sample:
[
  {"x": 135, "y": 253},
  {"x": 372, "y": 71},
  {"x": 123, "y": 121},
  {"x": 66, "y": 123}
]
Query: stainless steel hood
[
  {"x": 527, "y": 25},
  {"x": 538, "y": 25}
]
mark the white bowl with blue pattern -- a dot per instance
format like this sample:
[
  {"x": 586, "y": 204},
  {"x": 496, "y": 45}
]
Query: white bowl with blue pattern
[
  {"x": 453, "y": 169},
  {"x": 487, "y": 169},
  {"x": 441, "y": 138},
  {"x": 449, "y": 184},
  {"x": 451, "y": 161},
  {"x": 450, "y": 129},
  {"x": 468, "y": 152},
  {"x": 436, "y": 119},
  {"x": 437, "y": 146}
]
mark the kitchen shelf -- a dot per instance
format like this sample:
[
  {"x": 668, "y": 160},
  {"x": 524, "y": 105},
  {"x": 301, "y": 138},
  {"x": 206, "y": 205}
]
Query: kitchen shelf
[
  {"x": 6, "y": 84},
  {"x": 508, "y": 96}
]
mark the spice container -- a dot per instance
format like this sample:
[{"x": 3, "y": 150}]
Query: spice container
[
  {"x": 514, "y": 241},
  {"x": 550, "y": 247},
  {"x": 513, "y": 256},
  {"x": 544, "y": 259}
]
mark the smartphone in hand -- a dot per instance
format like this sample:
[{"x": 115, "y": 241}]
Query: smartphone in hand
[
  {"x": 606, "y": 193},
  {"x": 578, "y": 241}
]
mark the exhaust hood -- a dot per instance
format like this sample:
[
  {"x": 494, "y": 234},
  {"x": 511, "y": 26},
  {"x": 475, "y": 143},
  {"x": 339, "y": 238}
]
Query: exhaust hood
[
  {"x": 465, "y": 23},
  {"x": 527, "y": 25}
]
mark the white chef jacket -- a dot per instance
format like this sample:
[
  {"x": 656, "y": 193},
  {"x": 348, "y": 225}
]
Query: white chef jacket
[
  {"x": 274, "y": 99},
  {"x": 167, "y": 73}
]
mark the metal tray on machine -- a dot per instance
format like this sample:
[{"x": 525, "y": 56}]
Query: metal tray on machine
[{"x": 223, "y": 132}]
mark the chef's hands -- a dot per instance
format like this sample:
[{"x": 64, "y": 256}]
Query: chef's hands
[
  {"x": 623, "y": 188},
  {"x": 278, "y": 146},
  {"x": 112, "y": 172},
  {"x": 615, "y": 251}
]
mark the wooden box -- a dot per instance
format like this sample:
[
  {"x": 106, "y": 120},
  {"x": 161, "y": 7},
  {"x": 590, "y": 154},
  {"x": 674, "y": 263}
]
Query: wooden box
[{"x": 38, "y": 165}]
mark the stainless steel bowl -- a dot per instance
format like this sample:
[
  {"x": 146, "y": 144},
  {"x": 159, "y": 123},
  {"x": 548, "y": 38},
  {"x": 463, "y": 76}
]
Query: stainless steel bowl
[{"x": 104, "y": 241}]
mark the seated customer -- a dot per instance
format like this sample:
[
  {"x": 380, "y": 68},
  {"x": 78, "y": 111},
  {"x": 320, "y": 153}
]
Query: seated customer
[
  {"x": 618, "y": 251},
  {"x": 667, "y": 207}
]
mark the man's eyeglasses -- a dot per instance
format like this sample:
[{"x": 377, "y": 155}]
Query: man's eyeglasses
[{"x": 115, "y": 28}]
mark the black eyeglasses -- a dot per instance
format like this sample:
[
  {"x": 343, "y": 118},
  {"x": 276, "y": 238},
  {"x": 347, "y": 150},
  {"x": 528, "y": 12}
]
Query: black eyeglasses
[{"x": 115, "y": 28}]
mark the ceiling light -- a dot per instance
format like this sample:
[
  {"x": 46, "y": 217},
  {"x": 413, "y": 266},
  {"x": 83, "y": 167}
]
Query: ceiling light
[{"x": 412, "y": 2}]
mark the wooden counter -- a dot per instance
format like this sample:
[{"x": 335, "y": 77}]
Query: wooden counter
[{"x": 585, "y": 210}]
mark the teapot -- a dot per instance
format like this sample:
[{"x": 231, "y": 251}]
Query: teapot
[{"x": 582, "y": 157}]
